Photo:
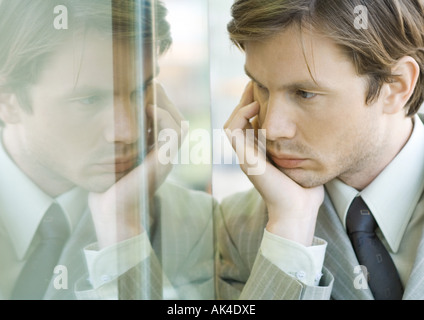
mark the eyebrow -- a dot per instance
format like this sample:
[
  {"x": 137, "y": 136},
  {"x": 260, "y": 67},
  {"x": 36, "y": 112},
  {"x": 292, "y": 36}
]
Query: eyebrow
[
  {"x": 91, "y": 90},
  {"x": 304, "y": 84}
]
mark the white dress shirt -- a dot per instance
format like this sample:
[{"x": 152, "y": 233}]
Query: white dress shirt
[
  {"x": 400, "y": 220},
  {"x": 22, "y": 206},
  {"x": 392, "y": 198}
]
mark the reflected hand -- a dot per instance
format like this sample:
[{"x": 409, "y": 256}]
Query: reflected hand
[
  {"x": 292, "y": 209},
  {"x": 116, "y": 212}
]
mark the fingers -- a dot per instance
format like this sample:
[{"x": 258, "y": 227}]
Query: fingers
[
  {"x": 241, "y": 119},
  {"x": 250, "y": 152},
  {"x": 163, "y": 101},
  {"x": 156, "y": 95},
  {"x": 164, "y": 119},
  {"x": 247, "y": 96},
  {"x": 255, "y": 123},
  {"x": 246, "y": 100},
  {"x": 147, "y": 177},
  {"x": 169, "y": 133}
]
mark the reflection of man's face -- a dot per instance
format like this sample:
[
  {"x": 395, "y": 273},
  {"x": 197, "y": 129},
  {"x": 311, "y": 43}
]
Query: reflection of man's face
[{"x": 84, "y": 128}]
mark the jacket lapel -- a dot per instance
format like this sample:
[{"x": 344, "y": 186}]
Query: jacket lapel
[
  {"x": 340, "y": 258},
  {"x": 73, "y": 259},
  {"x": 415, "y": 287}
]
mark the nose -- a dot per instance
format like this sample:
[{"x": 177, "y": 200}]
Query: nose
[
  {"x": 125, "y": 122},
  {"x": 279, "y": 118}
]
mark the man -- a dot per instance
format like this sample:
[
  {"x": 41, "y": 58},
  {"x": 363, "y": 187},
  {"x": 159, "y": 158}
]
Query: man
[
  {"x": 336, "y": 87},
  {"x": 73, "y": 77}
]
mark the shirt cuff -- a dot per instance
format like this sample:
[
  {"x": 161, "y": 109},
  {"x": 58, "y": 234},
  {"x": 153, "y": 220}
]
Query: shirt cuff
[
  {"x": 108, "y": 263},
  {"x": 299, "y": 261}
]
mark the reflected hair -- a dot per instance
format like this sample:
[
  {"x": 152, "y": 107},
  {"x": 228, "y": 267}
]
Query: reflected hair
[
  {"x": 395, "y": 29},
  {"x": 28, "y": 36}
]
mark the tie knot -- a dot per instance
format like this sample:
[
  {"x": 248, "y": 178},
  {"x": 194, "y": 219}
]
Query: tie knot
[
  {"x": 359, "y": 217},
  {"x": 54, "y": 224}
]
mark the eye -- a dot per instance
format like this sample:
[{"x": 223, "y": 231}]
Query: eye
[
  {"x": 305, "y": 95},
  {"x": 88, "y": 100},
  {"x": 260, "y": 87}
]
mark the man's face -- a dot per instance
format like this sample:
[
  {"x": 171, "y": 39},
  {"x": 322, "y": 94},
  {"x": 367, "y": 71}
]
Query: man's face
[
  {"x": 315, "y": 131},
  {"x": 84, "y": 128}
]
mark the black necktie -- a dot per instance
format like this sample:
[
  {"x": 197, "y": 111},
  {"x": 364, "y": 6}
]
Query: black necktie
[
  {"x": 384, "y": 280},
  {"x": 38, "y": 270}
]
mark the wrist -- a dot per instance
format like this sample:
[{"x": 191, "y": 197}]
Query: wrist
[{"x": 299, "y": 229}]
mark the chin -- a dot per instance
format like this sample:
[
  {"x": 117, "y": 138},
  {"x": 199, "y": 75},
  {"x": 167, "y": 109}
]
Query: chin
[
  {"x": 100, "y": 184},
  {"x": 307, "y": 179}
]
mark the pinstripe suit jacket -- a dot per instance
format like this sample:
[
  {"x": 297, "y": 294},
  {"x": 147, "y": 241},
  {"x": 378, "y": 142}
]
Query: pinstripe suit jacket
[
  {"x": 243, "y": 272},
  {"x": 182, "y": 239}
]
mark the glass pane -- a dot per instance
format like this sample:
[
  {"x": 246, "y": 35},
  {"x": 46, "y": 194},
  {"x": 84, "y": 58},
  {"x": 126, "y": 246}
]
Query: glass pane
[
  {"x": 227, "y": 83},
  {"x": 186, "y": 229},
  {"x": 105, "y": 116}
]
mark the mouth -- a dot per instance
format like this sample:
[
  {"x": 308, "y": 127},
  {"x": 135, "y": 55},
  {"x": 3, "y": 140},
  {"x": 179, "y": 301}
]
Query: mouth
[
  {"x": 287, "y": 161},
  {"x": 123, "y": 165},
  {"x": 119, "y": 165}
]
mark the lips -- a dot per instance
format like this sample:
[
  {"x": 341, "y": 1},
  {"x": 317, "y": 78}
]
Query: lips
[
  {"x": 122, "y": 165},
  {"x": 287, "y": 161},
  {"x": 118, "y": 165}
]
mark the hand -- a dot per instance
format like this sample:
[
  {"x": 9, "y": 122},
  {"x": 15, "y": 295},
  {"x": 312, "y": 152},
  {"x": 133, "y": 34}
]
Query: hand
[
  {"x": 120, "y": 212},
  {"x": 292, "y": 209}
]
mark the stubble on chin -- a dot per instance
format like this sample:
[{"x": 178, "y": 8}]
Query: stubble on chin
[{"x": 309, "y": 179}]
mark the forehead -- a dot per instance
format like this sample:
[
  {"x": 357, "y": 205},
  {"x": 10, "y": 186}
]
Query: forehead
[
  {"x": 94, "y": 59},
  {"x": 297, "y": 55}
]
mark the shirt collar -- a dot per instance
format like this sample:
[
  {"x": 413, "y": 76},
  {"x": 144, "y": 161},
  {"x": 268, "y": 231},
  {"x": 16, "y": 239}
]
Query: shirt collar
[
  {"x": 23, "y": 204},
  {"x": 402, "y": 180},
  {"x": 73, "y": 203}
]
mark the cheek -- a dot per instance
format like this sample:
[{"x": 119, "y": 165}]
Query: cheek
[
  {"x": 340, "y": 137},
  {"x": 64, "y": 141}
]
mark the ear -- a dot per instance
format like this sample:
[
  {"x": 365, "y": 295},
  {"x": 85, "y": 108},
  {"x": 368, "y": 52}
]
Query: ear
[
  {"x": 397, "y": 93},
  {"x": 9, "y": 108}
]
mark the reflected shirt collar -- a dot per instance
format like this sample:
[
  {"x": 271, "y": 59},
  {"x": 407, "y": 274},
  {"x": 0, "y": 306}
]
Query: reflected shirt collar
[
  {"x": 394, "y": 194},
  {"x": 23, "y": 204}
]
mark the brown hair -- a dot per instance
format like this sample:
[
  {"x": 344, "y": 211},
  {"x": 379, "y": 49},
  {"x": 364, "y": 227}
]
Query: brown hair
[
  {"x": 395, "y": 29},
  {"x": 28, "y": 36}
]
